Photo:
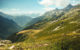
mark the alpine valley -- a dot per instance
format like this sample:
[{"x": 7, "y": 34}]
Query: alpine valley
[{"x": 57, "y": 29}]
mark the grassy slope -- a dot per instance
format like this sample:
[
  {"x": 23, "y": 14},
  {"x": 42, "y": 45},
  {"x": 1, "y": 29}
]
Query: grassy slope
[{"x": 64, "y": 34}]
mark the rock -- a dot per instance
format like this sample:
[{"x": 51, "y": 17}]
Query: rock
[
  {"x": 45, "y": 44},
  {"x": 5, "y": 41},
  {"x": 12, "y": 47},
  {"x": 1, "y": 45}
]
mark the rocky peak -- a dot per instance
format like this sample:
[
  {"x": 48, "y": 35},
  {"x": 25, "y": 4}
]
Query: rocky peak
[{"x": 69, "y": 6}]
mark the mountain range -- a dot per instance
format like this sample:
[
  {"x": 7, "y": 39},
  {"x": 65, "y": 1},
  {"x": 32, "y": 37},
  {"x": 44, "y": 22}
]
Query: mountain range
[
  {"x": 49, "y": 16},
  {"x": 57, "y": 29}
]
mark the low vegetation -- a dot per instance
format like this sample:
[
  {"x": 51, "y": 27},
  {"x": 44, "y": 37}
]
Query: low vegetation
[{"x": 60, "y": 34}]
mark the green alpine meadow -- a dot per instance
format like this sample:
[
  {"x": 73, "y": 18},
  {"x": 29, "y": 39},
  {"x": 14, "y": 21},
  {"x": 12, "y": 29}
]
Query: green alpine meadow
[{"x": 39, "y": 24}]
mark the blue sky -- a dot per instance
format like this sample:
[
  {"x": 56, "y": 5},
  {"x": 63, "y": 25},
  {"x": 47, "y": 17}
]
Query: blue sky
[
  {"x": 20, "y": 4},
  {"x": 25, "y": 6},
  {"x": 14, "y": 7}
]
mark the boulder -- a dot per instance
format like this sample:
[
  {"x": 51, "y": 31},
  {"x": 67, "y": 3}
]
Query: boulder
[{"x": 5, "y": 41}]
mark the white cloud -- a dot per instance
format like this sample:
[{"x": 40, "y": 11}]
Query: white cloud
[
  {"x": 75, "y": 2},
  {"x": 48, "y": 9},
  {"x": 0, "y": 10},
  {"x": 62, "y": 3},
  {"x": 47, "y": 2},
  {"x": 13, "y": 11},
  {"x": 58, "y": 3},
  {"x": 10, "y": 11},
  {"x": 16, "y": 12},
  {"x": 31, "y": 12}
]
